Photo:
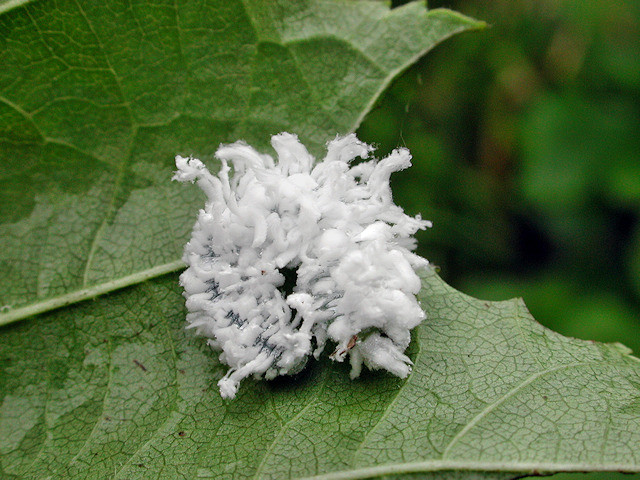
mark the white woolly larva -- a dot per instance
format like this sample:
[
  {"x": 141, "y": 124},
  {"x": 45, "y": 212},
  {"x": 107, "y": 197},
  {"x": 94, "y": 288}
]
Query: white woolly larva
[{"x": 334, "y": 227}]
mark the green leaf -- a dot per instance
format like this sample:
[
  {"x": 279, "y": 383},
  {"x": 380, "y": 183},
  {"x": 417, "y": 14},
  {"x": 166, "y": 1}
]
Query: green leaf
[
  {"x": 96, "y": 99},
  {"x": 116, "y": 389}
]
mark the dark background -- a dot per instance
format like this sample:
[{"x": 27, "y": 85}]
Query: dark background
[{"x": 526, "y": 146}]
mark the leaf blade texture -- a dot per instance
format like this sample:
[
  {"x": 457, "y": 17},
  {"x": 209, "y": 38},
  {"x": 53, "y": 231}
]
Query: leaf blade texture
[
  {"x": 493, "y": 395},
  {"x": 97, "y": 98}
]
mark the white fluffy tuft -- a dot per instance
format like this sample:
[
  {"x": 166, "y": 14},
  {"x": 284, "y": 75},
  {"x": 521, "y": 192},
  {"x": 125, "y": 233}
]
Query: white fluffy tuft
[{"x": 336, "y": 225}]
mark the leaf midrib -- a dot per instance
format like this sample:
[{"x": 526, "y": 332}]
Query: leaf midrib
[
  {"x": 76, "y": 296},
  {"x": 469, "y": 466}
]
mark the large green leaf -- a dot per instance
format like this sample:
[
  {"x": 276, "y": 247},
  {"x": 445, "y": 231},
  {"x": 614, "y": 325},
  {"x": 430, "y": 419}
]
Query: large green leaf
[
  {"x": 116, "y": 389},
  {"x": 96, "y": 99}
]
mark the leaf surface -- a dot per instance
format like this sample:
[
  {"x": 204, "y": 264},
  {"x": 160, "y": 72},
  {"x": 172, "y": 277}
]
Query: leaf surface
[
  {"x": 97, "y": 98},
  {"x": 115, "y": 389}
]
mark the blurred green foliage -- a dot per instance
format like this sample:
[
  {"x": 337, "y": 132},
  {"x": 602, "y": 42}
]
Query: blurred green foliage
[{"x": 526, "y": 146}]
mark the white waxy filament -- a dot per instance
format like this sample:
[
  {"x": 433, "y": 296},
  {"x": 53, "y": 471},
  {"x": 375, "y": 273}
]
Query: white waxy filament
[{"x": 335, "y": 226}]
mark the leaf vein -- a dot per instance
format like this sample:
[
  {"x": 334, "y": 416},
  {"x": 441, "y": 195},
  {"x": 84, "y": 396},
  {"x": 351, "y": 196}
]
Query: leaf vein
[
  {"x": 489, "y": 408},
  {"x": 389, "y": 408},
  {"x": 284, "y": 426}
]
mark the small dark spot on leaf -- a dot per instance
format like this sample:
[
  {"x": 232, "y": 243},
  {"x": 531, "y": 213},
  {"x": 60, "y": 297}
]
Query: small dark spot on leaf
[
  {"x": 181, "y": 433},
  {"x": 108, "y": 419},
  {"x": 182, "y": 371},
  {"x": 140, "y": 465},
  {"x": 144, "y": 369},
  {"x": 544, "y": 397}
]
